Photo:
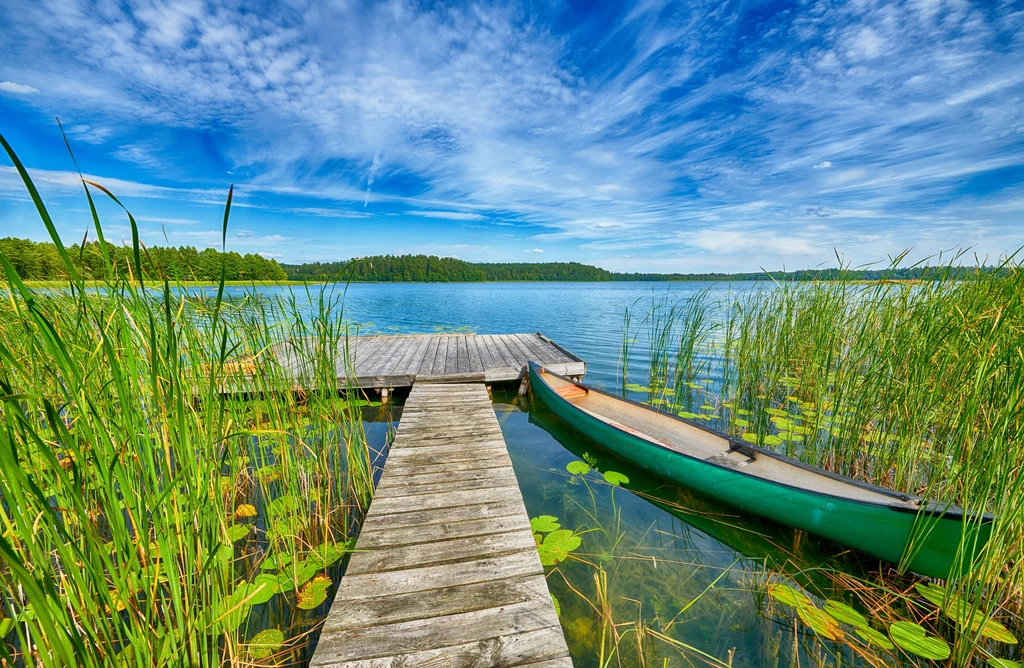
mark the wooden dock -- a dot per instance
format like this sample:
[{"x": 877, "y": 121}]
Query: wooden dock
[
  {"x": 387, "y": 361},
  {"x": 446, "y": 571}
]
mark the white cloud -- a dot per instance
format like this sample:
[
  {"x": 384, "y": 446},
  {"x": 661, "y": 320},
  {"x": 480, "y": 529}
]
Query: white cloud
[
  {"x": 167, "y": 221},
  {"x": 448, "y": 215},
  {"x": 17, "y": 88},
  {"x": 269, "y": 255},
  {"x": 534, "y": 250},
  {"x": 489, "y": 113}
]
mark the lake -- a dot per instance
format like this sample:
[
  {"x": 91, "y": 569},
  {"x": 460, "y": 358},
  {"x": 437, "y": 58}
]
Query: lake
[{"x": 661, "y": 573}]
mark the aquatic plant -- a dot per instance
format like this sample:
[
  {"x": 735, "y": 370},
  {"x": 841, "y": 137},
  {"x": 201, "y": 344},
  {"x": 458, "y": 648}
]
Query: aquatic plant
[
  {"x": 167, "y": 487},
  {"x": 913, "y": 386}
]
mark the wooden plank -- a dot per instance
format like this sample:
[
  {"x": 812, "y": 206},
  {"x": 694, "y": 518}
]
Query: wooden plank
[
  {"x": 399, "y": 361},
  {"x": 445, "y": 601},
  {"x": 441, "y": 358},
  {"x": 476, "y": 364},
  {"x": 464, "y": 356},
  {"x": 438, "y": 631},
  {"x": 521, "y": 354},
  {"x": 436, "y": 577},
  {"x": 422, "y": 518},
  {"x": 451, "y": 365},
  {"x": 521, "y": 649},
  {"x": 543, "y": 353},
  {"x": 499, "y": 353},
  {"x": 450, "y": 551},
  {"x": 372, "y": 538},
  {"x": 428, "y": 356},
  {"x": 387, "y": 504},
  {"x": 559, "y": 348},
  {"x": 445, "y": 570},
  {"x": 454, "y": 477},
  {"x": 422, "y": 351},
  {"x": 383, "y": 360}
]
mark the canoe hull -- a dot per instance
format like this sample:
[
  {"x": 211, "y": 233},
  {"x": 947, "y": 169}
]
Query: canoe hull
[{"x": 878, "y": 530}]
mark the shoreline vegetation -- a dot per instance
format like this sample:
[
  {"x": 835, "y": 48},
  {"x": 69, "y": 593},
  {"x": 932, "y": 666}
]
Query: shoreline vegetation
[
  {"x": 164, "y": 502},
  {"x": 39, "y": 264},
  {"x": 918, "y": 388}
]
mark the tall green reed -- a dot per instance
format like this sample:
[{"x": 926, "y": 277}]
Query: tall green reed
[
  {"x": 914, "y": 386},
  {"x": 167, "y": 486}
]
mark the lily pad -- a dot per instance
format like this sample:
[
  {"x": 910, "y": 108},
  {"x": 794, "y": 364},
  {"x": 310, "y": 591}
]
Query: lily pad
[
  {"x": 288, "y": 503},
  {"x": 615, "y": 478},
  {"x": 819, "y": 621},
  {"x": 314, "y": 593},
  {"x": 265, "y": 587},
  {"x": 558, "y": 607},
  {"x": 265, "y": 643},
  {"x": 326, "y": 554},
  {"x": 276, "y": 561},
  {"x": 783, "y": 593},
  {"x": 237, "y": 532},
  {"x": 962, "y": 613},
  {"x": 749, "y": 437},
  {"x": 577, "y": 468},
  {"x": 873, "y": 637},
  {"x": 244, "y": 511},
  {"x": 845, "y": 614},
  {"x": 545, "y": 523},
  {"x": 915, "y": 640},
  {"x": 557, "y": 545}
]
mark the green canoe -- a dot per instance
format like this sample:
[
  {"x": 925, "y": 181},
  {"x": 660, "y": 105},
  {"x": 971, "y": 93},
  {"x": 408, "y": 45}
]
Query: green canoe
[{"x": 933, "y": 539}]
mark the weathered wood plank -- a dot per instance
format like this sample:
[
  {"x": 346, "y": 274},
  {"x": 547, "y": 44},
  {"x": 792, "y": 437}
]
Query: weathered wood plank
[
  {"x": 521, "y": 649},
  {"x": 440, "y": 357},
  {"x": 476, "y": 364},
  {"x": 450, "y": 551},
  {"x": 445, "y": 570},
  {"x": 437, "y": 631},
  {"x": 438, "y": 602},
  {"x": 373, "y": 538},
  {"x": 386, "y": 504},
  {"x": 451, "y": 365},
  {"x": 420, "y": 518}
]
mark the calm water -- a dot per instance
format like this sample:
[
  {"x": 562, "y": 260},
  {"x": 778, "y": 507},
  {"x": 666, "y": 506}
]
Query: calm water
[{"x": 661, "y": 573}]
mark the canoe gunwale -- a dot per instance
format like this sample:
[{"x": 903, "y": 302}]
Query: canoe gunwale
[{"x": 927, "y": 508}]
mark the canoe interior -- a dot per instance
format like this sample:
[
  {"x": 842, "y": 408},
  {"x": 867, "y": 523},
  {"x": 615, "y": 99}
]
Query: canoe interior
[{"x": 705, "y": 445}]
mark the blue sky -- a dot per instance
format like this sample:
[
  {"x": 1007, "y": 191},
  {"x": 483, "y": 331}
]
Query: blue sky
[{"x": 648, "y": 137}]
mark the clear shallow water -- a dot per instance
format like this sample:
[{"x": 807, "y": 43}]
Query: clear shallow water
[{"x": 661, "y": 573}]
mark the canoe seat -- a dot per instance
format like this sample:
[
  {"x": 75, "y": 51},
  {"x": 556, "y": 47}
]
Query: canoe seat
[
  {"x": 730, "y": 459},
  {"x": 571, "y": 392}
]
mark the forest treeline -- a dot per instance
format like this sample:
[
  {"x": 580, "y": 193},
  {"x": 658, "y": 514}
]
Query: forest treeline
[
  {"x": 40, "y": 261},
  {"x": 433, "y": 269}
]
